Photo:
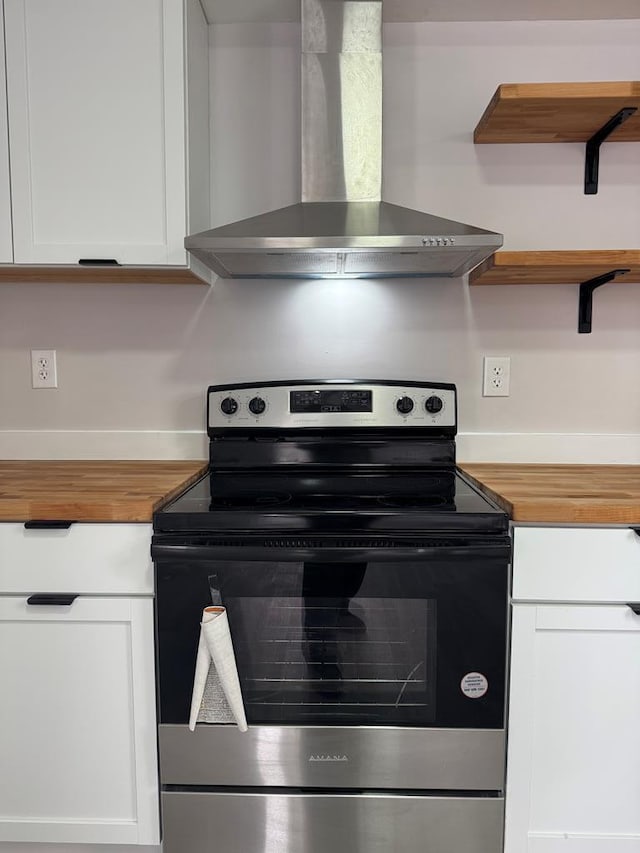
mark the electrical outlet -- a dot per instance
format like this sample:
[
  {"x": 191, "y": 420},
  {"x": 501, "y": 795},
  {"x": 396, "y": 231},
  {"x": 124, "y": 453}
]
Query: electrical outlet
[
  {"x": 43, "y": 368},
  {"x": 497, "y": 373}
]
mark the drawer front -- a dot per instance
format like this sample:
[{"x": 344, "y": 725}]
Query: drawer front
[
  {"x": 200, "y": 822},
  {"x": 576, "y": 564},
  {"x": 109, "y": 559}
]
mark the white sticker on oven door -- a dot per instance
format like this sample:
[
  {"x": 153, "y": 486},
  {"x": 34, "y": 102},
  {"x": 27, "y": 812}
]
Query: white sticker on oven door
[{"x": 474, "y": 685}]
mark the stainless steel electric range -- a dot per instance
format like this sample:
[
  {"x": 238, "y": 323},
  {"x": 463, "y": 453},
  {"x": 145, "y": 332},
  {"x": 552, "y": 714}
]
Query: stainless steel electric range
[{"x": 365, "y": 582}]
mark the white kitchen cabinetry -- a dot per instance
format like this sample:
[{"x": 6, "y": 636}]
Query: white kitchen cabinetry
[
  {"x": 94, "y": 559},
  {"x": 6, "y": 244},
  {"x": 573, "y": 768},
  {"x": 108, "y": 114},
  {"x": 77, "y": 716}
]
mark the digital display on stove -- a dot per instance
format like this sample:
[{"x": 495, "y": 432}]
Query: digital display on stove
[{"x": 332, "y": 400}]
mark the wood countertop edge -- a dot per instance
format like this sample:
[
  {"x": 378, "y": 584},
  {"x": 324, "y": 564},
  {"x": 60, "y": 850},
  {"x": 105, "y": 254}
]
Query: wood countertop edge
[
  {"x": 81, "y": 513},
  {"x": 99, "y": 508},
  {"x": 545, "y": 509}
]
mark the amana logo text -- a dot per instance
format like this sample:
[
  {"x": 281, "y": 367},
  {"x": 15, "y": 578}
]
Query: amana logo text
[{"x": 324, "y": 757}]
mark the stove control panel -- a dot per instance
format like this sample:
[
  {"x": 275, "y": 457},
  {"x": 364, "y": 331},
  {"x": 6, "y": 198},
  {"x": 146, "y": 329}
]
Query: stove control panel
[{"x": 329, "y": 404}]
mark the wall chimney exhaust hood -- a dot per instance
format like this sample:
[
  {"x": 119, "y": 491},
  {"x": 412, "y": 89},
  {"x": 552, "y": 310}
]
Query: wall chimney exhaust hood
[{"x": 342, "y": 229}]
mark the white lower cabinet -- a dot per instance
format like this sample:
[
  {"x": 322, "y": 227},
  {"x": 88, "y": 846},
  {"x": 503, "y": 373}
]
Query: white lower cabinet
[
  {"x": 78, "y": 760},
  {"x": 573, "y": 768}
]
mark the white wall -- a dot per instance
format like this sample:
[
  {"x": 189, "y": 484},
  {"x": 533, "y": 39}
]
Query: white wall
[{"x": 134, "y": 361}]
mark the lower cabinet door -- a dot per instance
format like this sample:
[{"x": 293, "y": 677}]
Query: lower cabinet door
[
  {"x": 573, "y": 768},
  {"x": 77, "y": 721}
]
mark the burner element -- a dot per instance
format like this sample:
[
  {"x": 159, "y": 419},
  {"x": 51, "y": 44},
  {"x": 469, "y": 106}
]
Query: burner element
[
  {"x": 412, "y": 501},
  {"x": 250, "y": 500},
  {"x": 257, "y": 500}
]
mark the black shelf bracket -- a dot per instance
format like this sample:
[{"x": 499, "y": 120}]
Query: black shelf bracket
[
  {"x": 592, "y": 160},
  {"x": 585, "y": 304}
]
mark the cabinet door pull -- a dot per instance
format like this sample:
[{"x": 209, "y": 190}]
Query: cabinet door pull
[
  {"x": 635, "y": 607},
  {"x": 98, "y": 262},
  {"x": 52, "y": 598},
  {"x": 49, "y": 524},
  {"x": 636, "y": 529}
]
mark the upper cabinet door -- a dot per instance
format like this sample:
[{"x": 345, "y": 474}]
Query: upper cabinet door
[
  {"x": 6, "y": 245},
  {"x": 96, "y": 101}
]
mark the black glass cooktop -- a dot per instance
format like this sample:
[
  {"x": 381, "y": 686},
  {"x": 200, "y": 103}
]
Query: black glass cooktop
[{"x": 426, "y": 501}]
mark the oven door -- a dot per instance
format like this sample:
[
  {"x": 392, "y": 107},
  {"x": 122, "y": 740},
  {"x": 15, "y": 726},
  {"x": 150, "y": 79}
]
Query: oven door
[{"x": 393, "y": 638}]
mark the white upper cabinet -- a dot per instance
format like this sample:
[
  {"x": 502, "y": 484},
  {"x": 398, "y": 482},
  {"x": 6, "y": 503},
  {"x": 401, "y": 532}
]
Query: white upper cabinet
[
  {"x": 99, "y": 100},
  {"x": 6, "y": 245}
]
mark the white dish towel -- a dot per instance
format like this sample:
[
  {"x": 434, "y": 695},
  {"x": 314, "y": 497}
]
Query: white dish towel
[{"x": 207, "y": 705}]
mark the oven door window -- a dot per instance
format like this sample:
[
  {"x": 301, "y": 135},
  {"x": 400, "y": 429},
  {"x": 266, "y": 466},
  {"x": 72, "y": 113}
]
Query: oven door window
[
  {"x": 323, "y": 642},
  {"x": 341, "y": 659}
]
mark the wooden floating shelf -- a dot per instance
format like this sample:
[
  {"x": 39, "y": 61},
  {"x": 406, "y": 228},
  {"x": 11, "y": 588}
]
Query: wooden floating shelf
[
  {"x": 589, "y": 269},
  {"x": 558, "y": 112},
  {"x": 41, "y": 274},
  {"x": 570, "y": 267}
]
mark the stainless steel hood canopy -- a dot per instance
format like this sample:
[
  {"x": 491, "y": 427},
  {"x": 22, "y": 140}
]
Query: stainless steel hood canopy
[
  {"x": 341, "y": 229},
  {"x": 343, "y": 240}
]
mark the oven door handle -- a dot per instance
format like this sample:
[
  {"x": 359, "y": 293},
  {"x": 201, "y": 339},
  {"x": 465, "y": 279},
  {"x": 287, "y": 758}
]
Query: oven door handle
[{"x": 233, "y": 553}]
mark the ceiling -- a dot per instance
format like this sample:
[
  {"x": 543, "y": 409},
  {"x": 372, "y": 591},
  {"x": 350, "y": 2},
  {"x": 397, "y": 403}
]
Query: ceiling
[{"x": 272, "y": 11}]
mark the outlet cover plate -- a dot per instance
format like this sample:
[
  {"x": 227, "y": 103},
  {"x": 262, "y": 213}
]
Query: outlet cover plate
[
  {"x": 496, "y": 377},
  {"x": 44, "y": 373}
]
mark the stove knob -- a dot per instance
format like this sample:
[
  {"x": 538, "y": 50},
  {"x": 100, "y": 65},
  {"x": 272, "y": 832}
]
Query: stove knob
[
  {"x": 257, "y": 405},
  {"x": 404, "y": 405},
  {"x": 229, "y": 406},
  {"x": 433, "y": 405}
]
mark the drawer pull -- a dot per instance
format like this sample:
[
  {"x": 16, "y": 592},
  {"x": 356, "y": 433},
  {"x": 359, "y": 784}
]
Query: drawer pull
[
  {"x": 50, "y": 524},
  {"x": 636, "y": 529},
  {"x": 52, "y": 598},
  {"x": 635, "y": 607},
  {"x": 98, "y": 262}
]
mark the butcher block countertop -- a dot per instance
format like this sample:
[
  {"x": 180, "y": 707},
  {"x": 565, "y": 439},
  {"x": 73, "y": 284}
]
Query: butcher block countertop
[
  {"x": 587, "y": 494},
  {"x": 131, "y": 491},
  {"x": 90, "y": 491}
]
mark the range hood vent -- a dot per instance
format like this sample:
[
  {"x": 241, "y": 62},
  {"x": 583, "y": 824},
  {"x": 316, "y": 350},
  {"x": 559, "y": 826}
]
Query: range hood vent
[{"x": 342, "y": 229}]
